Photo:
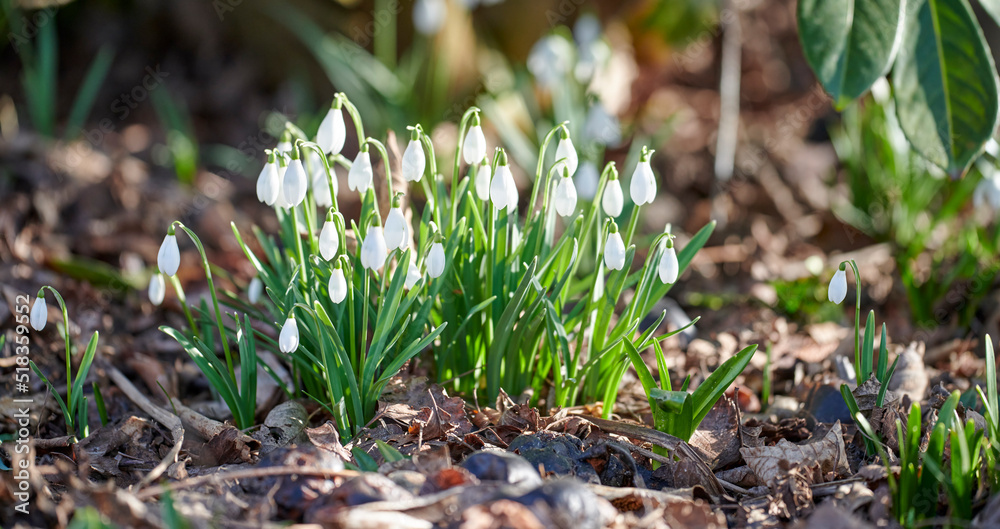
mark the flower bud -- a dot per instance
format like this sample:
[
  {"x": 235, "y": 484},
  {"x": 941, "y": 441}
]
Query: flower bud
[
  {"x": 643, "y": 185},
  {"x": 157, "y": 289},
  {"x": 566, "y": 152},
  {"x": 168, "y": 260},
  {"x": 268, "y": 182},
  {"x": 565, "y": 195},
  {"x": 360, "y": 176},
  {"x": 39, "y": 313},
  {"x": 474, "y": 147},
  {"x": 414, "y": 162},
  {"x": 396, "y": 233},
  {"x": 838, "y": 287},
  {"x": 613, "y": 200},
  {"x": 329, "y": 240},
  {"x": 295, "y": 183},
  {"x": 436, "y": 260},
  {"x": 669, "y": 267},
  {"x": 288, "y": 340},
  {"x": 614, "y": 249},
  {"x": 337, "y": 285},
  {"x": 373, "y": 250},
  {"x": 255, "y": 290},
  {"x": 412, "y": 275},
  {"x": 483, "y": 175},
  {"x": 332, "y": 131}
]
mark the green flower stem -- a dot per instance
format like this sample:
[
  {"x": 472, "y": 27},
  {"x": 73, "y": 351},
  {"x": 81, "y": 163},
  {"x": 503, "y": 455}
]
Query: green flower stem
[
  {"x": 591, "y": 222},
  {"x": 463, "y": 128},
  {"x": 539, "y": 166},
  {"x": 363, "y": 335},
  {"x": 388, "y": 172},
  {"x": 359, "y": 127},
  {"x": 438, "y": 187},
  {"x": 857, "y": 317},
  {"x": 326, "y": 165},
  {"x": 69, "y": 349},
  {"x": 215, "y": 297},
  {"x": 633, "y": 222}
]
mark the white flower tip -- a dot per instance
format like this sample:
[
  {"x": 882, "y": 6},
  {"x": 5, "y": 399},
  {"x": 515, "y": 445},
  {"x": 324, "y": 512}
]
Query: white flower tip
[
  {"x": 39, "y": 314},
  {"x": 169, "y": 257},
  {"x": 288, "y": 340},
  {"x": 838, "y": 287}
]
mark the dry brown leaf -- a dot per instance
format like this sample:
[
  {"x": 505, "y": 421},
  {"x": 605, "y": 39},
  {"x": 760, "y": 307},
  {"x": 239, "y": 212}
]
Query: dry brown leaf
[
  {"x": 717, "y": 438},
  {"x": 326, "y": 437},
  {"x": 828, "y": 452}
]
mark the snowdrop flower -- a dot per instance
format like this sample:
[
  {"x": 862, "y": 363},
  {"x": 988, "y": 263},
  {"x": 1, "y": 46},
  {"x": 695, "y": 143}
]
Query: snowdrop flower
[
  {"x": 332, "y": 133},
  {"x": 360, "y": 176},
  {"x": 838, "y": 286},
  {"x": 483, "y": 175},
  {"x": 295, "y": 183},
  {"x": 168, "y": 260},
  {"x": 396, "y": 229},
  {"x": 503, "y": 190},
  {"x": 329, "y": 239},
  {"x": 280, "y": 201},
  {"x": 643, "y": 185},
  {"x": 320, "y": 181},
  {"x": 436, "y": 260},
  {"x": 285, "y": 145},
  {"x": 337, "y": 285},
  {"x": 550, "y": 59},
  {"x": 614, "y": 249},
  {"x": 669, "y": 267},
  {"x": 587, "y": 179},
  {"x": 268, "y": 181},
  {"x": 373, "y": 250},
  {"x": 414, "y": 162},
  {"x": 157, "y": 289},
  {"x": 566, "y": 152},
  {"x": 412, "y": 275},
  {"x": 429, "y": 16},
  {"x": 255, "y": 289},
  {"x": 613, "y": 200},
  {"x": 39, "y": 312},
  {"x": 474, "y": 146},
  {"x": 565, "y": 195},
  {"x": 288, "y": 340}
]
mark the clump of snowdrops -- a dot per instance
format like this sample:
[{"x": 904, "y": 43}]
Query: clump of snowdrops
[{"x": 502, "y": 293}]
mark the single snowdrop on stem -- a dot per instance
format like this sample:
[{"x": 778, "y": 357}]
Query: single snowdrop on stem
[
  {"x": 396, "y": 227},
  {"x": 613, "y": 200},
  {"x": 474, "y": 146},
  {"x": 338, "y": 284},
  {"x": 643, "y": 185},
  {"x": 168, "y": 259},
  {"x": 565, "y": 194},
  {"x": 669, "y": 267},
  {"x": 614, "y": 249},
  {"x": 436, "y": 260},
  {"x": 268, "y": 181},
  {"x": 329, "y": 238},
  {"x": 294, "y": 183},
  {"x": 503, "y": 190},
  {"x": 838, "y": 285},
  {"x": 39, "y": 312},
  {"x": 157, "y": 289},
  {"x": 412, "y": 275},
  {"x": 320, "y": 182},
  {"x": 373, "y": 249},
  {"x": 359, "y": 178},
  {"x": 332, "y": 131},
  {"x": 566, "y": 152},
  {"x": 288, "y": 339},
  {"x": 414, "y": 161},
  {"x": 483, "y": 176}
]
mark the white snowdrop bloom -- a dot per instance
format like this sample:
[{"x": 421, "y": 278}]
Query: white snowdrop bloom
[
  {"x": 285, "y": 145},
  {"x": 838, "y": 287},
  {"x": 373, "y": 249},
  {"x": 319, "y": 180},
  {"x": 436, "y": 260},
  {"x": 503, "y": 191},
  {"x": 567, "y": 152},
  {"x": 613, "y": 200},
  {"x": 281, "y": 201},
  {"x": 414, "y": 162},
  {"x": 550, "y": 60},
  {"x": 396, "y": 232},
  {"x": 268, "y": 181},
  {"x": 168, "y": 260},
  {"x": 483, "y": 175},
  {"x": 587, "y": 179},
  {"x": 288, "y": 340},
  {"x": 669, "y": 267},
  {"x": 614, "y": 251},
  {"x": 329, "y": 240},
  {"x": 474, "y": 146},
  {"x": 643, "y": 185},
  {"x": 412, "y": 275},
  {"x": 157, "y": 289},
  {"x": 39, "y": 313},
  {"x": 601, "y": 127},
  {"x": 429, "y": 16},
  {"x": 332, "y": 131},
  {"x": 295, "y": 183},
  {"x": 565, "y": 196},
  {"x": 255, "y": 290},
  {"x": 360, "y": 176},
  {"x": 337, "y": 285}
]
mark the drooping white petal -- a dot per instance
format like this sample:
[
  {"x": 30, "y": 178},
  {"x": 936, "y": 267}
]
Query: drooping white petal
[
  {"x": 474, "y": 147},
  {"x": 319, "y": 181},
  {"x": 838, "y": 287},
  {"x": 412, "y": 275},
  {"x": 512, "y": 195},
  {"x": 414, "y": 162},
  {"x": 499, "y": 192},
  {"x": 157, "y": 289},
  {"x": 332, "y": 132},
  {"x": 483, "y": 175},
  {"x": 587, "y": 179},
  {"x": 565, "y": 197},
  {"x": 373, "y": 249},
  {"x": 669, "y": 267},
  {"x": 337, "y": 285},
  {"x": 39, "y": 314},
  {"x": 281, "y": 201},
  {"x": 436, "y": 260},
  {"x": 566, "y": 150},
  {"x": 613, "y": 200},
  {"x": 429, "y": 16},
  {"x": 396, "y": 229},
  {"x": 329, "y": 240},
  {"x": 288, "y": 340},
  {"x": 267, "y": 183},
  {"x": 614, "y": 252},
  {"x": 255, "y": 290},
  {"x": 643, "y": 186},
  {"x": 295, "y": 183},
  {"x": 360, "y": 176},
  {"x": 168, "y": 260}
]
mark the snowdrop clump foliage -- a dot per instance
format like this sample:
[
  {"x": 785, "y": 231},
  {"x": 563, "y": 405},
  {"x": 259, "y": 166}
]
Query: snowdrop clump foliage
[{"x": 493, "y": 291}]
